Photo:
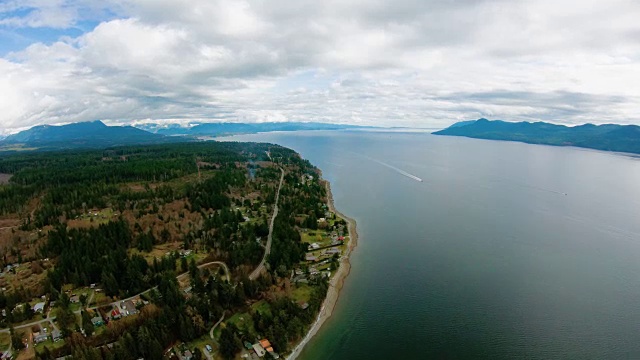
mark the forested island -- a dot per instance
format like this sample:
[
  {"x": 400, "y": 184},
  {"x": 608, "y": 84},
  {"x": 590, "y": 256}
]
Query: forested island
[
  {"x": 607, "y": 137},
  {"x": 157, "y": 251}
]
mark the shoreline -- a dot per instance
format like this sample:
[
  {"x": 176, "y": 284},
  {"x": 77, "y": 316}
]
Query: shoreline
[{"x": 337, "y": 281}]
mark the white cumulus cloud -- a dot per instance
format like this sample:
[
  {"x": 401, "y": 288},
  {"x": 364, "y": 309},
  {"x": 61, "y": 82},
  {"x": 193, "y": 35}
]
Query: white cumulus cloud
[{"x": 420, "y": 63}]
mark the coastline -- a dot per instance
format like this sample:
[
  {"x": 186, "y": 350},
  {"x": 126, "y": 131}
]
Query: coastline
[{"x": 337, "y": 281}]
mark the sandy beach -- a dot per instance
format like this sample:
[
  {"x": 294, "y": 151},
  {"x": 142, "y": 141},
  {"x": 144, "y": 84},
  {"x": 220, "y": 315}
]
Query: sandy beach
[{"x": 336, "y": 282}]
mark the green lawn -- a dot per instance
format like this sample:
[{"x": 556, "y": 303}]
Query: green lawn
[
  {"x": 302, "y": 292},
  {"x": 5, "y": 341},
  {"x": 242, "y": 321},
  {"x": 262, "y": 307},
  {"x": 100, "y": 298},
  {"x": 202, "y": 342},
  {"x": 50, "y": 345}
]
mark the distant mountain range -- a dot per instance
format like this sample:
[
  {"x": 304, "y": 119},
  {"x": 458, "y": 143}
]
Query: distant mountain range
[
  {"x": 609, "y": 137},
  {"x": 221, "y": 129},
  {"x": 93, "y": 134},
  {"x": 96, "y": 134}
]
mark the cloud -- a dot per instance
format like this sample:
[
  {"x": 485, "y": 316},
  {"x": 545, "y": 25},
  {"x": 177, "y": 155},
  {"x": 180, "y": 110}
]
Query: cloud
[
  {"x": 406, "y": 62},
  {"x": 57, "y": 14}
]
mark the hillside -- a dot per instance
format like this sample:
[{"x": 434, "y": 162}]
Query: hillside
[
  {"x": 608, "y": 137},
  {"x": 93, "y": 134}
]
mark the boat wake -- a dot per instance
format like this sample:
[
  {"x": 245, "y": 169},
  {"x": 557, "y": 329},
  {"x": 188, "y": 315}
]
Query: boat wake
[{"x": 400, "y": 171}]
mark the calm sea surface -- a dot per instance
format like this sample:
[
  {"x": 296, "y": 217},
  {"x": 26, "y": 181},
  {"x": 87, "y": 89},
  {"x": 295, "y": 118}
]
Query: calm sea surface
[{"x": 504, "y": 251}]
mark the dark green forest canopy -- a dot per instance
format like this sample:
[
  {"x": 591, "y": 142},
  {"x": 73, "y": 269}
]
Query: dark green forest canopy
[{"x": 70, "y": 179}]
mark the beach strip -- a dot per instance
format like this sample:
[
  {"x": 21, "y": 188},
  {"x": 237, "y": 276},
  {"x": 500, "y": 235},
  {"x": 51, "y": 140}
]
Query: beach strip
[{"x": 336, "y": 282}]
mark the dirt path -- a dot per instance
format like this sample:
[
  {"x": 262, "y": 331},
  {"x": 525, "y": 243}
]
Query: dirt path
[{"x": 215, "y": 326}]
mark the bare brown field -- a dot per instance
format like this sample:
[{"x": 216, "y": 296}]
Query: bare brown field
[{"x": 4, "y": 178}]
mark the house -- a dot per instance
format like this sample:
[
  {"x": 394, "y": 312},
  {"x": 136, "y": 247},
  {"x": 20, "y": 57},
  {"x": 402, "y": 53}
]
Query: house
[
  {"x": 187, "y": 355},
  {"x": 310, "y": 257},
  {"x": 74, "y": 299},
  {"x": 39, "y": 337},
  {"x": 303, "y": 305},
  {"x": 188, "y": 289},
  {"x": 129, "y": 308},
  {"x": 39, "y": 307},
  {"x": 56, "y": 335},
  {"x": 259, "y": 350},
  {"x": 265, "y": 343},
  {"x": 115, "y": 314},
  {"x": 97, "y": 321}
]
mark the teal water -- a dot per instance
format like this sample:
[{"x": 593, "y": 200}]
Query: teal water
[{"x": 504, "y": 251}]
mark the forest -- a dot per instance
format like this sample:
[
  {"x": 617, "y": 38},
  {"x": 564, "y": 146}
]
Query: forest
[{"x": 103, "y": 215}]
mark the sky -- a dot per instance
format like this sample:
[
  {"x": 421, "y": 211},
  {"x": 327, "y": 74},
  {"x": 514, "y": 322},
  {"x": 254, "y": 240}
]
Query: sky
[{"x": 416, "y": 63}]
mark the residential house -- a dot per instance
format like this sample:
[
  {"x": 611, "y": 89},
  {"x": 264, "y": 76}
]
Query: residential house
[
  {"x": 129, "y": 308},
  {"x": 39, "y": 307},
  {"x": 116, "y": 314},
  {"x": 265, "y": 343},
  {"x": 187, "y": 355},
  {"x": 97, "y": 321},
  {"x": 39, "y": 337},
  {"x": 74, "y": 299},
  {"x": 259, "y": 350},
  {"x": 56, "y": 335},
  {"x": 303, "y": 305}
]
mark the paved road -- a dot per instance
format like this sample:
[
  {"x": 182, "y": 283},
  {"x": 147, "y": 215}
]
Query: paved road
[
  {"x": 48, "y": 319},
  {"x": 256, "y": 273}
]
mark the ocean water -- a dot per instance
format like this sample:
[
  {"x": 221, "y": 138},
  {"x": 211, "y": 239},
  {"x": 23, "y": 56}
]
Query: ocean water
[{"x": 503, "y": 251}]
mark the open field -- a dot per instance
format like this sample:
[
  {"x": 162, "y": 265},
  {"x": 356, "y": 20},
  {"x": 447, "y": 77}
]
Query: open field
[{"x": 5, "y": 341}]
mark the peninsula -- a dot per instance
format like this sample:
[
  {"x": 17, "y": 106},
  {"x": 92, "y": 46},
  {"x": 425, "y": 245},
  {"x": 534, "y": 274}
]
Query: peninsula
[
  {"x": 208, "y": 250},
  {"x": 608, "y": 137}
]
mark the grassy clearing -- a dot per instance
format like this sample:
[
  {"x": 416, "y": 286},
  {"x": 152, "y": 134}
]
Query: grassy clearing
[
  {"x": 202, "y": 342},
  {"x": 308, "y": 238},
  {"x": 17, "y": 147},
  {"x": 158, "y": 251},
  {"x": 50, "y": 345},
  {"x": 100, "y": 299},
  {"x": 92, "y": 217},
  {"x": 262, "y": 307},
  {"x": 5, "y": 341},
  {"x": 302, "y": 293},
  {"x": 242, "y": 321}
]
